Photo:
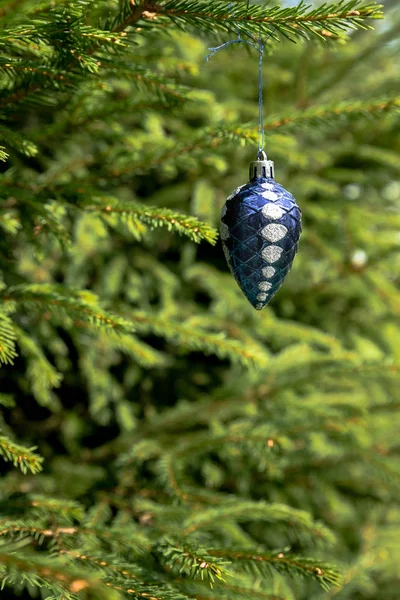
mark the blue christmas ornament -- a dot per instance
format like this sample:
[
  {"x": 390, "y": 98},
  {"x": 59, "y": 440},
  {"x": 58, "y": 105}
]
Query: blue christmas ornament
[{"x": 260, "y": 231}]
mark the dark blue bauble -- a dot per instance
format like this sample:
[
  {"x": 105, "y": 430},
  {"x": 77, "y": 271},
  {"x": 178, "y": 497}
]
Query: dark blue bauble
[{"x": 260, "y": 231}]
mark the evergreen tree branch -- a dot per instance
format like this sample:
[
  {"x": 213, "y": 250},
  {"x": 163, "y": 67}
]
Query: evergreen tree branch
[
  {"x": 3, "y": 154},
  {"x": 57, "y": 31},
  {"x": 171, "y": 473},
  {"x": 7, "y": 339},
  {"x": 133, "y": 13},
  {"x": 292, "y": 565},
  {"x": 16, "y": 141},
  {"x": 66, "y": 509},
  {"x": 142, "y": 353},
  {"x": 241, "y": 593},
  {"x": 258, "y": 511},
  {"x": 131, "y": 577},
  {"x": 187, "y": 337},
  {"x": 192, "y": 560},
  {"x": 133, "y": 213},
  {"x": 41, "y": 373},
  {"x": 256, "y": 20},
  {"x": 54, "y": 576},
  {"x": 24, "y": 458},
  {"x": 341, "y": 114},
  {"x": 67, "y": 303},
  {"x": 18, "y": 529}
]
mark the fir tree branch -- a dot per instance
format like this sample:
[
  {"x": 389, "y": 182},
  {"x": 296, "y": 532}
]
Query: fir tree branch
[
  {"x": 165, "y": 89},
  {"x": 210, "y": 343},
  {"x": 142, "y": 353},
  {"x": 68, "y": 303},
  {"x": 24, "y": 458},
  {"x": 171, "y": 476},
  {"x": 55, "y": 24},
  {"x": 341, "y": 114},
  {"x": 133, "y": 213},
  {"x": 192, "y": 560},
  {"x": 41, "y": 373},
  {"x": 257, "y": 511},
  {"x": 326, "y": 575},
  {"x": 132, "y": 15},
  {"x": 3, "y": 154},
  {"x": 18, "y": 69},
  {"x": 62, "y": 579},
  {"x": 16, "y": 141},
  {"x": 51, "y": 575},
  {"x": 18, "y": 529},
  {"x": 126, "y": 573},
  {"x": 242, "y": 593},
  {"x": 66, "y": 509},
  {"x": 291, "y": 22},
  {"x": 7, "y": 339}
]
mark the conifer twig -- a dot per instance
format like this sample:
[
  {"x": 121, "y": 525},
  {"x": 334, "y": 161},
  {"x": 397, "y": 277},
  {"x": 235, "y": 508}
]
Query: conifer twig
[
  {"x": 24, "y": 458},
  {"x": 212, "y": 343},
  {"x": 136, "y": 11},
  {"x": 326, "y": 575},
  {"x": 73, "y": 304},
  {"x": 154, "y": 217},
  {"x": 7, "y": 339},
  {"x": 319, "y": 115},
  {"x": 50, "y": 573},
  {"x": 324, "y": 21}
]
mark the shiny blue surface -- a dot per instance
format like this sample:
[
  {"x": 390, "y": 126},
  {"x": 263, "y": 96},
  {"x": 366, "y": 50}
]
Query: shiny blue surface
[{"x": 250, "y": 245}]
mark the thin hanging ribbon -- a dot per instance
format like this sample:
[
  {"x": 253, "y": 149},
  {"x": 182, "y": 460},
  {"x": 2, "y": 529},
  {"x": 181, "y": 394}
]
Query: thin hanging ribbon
[
  {"x": 259, "y": 45},
  {"x": 261, "y": 134}
]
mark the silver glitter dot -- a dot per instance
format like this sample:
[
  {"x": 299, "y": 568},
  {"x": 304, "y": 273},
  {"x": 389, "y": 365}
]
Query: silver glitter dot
[
  {"x": 261, "y": 297},
  {"x": 268, "y": 272},
  {"x": 268, "y": 186},
  {"x": 259, "y": 306},
  {"x": 223, "y": 210},
  {"x": 272, "y": 211},
  {"x": 269, "y": 195},
  {"x": 224, "y": 229},
  {"x": 271, "y": 254},
  {"x": 274, "y": 232},
  {"x": 264, "y": 286}
]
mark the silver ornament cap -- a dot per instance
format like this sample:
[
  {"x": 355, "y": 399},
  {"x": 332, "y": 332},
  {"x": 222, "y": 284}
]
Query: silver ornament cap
[{"x": 262, "y": 167}]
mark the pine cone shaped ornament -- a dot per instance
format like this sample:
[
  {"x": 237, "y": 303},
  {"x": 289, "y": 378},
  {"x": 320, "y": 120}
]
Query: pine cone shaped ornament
[{"x": 260, "y": 231}]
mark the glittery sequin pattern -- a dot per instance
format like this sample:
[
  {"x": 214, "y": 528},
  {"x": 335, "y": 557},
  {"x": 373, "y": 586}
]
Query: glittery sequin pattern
[{"x": 260, "y": 230}]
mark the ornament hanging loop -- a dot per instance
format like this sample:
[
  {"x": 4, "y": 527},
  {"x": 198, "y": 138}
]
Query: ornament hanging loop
[{"x": 262, "y": 167}]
